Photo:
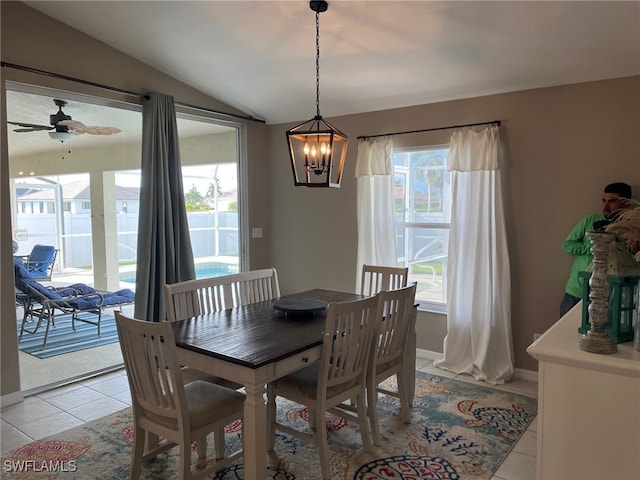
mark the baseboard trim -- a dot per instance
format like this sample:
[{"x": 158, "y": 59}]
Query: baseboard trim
[
  {"x": 11, "y": 399},
  {"x": 427, "y": 354},
  {"x": 67, "y": 381},
  {"x": 528, "y": 375}
]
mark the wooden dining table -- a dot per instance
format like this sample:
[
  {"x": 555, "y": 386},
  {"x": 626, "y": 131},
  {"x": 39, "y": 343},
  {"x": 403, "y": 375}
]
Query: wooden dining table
[{"x": 254, "y": 345}]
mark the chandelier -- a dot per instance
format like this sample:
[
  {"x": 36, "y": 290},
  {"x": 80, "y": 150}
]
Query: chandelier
[{"x": 316, "y": 147}]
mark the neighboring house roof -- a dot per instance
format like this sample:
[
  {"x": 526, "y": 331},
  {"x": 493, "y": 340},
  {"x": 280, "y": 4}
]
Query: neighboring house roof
[
  {"x": 230, "y": 195},
  {"x": 73, "y": 191},
  {"x": 80, "y": 191}
]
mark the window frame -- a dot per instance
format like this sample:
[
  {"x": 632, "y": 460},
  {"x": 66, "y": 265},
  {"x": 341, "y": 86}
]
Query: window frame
[{"x": 403, "y": 227}]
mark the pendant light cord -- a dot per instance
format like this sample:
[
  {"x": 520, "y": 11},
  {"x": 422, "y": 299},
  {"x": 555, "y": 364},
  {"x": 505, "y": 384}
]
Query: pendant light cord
[{"x": 318, "y": 64}]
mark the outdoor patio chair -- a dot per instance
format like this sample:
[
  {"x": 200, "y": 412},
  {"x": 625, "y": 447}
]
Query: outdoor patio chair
[
  {"x": 41, "y": 303},
  {"x": 40, "y": 262}
]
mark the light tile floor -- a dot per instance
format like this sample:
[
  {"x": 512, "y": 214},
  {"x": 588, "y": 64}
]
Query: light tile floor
[{"x": 54, "y": 411}]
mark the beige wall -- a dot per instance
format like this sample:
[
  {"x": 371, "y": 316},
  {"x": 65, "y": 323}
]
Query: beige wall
[
  {"x": 561, "y": 146},
  {"x": 34, "y": 40}
]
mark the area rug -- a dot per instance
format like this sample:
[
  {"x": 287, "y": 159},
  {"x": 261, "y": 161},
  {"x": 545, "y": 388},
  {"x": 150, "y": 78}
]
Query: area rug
[
  {"x": 62, "y": 338},
  {"x": 459, "y": 430}
]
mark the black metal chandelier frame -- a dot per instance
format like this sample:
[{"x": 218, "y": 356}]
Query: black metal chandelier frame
[{"x": 317, "y": 148}]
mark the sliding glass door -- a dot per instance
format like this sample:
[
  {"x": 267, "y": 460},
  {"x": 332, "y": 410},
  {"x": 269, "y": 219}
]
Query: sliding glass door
[{"x": 81, "y": 193}]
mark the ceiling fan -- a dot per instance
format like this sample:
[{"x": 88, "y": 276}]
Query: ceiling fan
[{"x": 63, "y": 126}]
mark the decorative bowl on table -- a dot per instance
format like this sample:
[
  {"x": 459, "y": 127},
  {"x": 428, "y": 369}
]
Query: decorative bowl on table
[{"x": 300, "y": 306}]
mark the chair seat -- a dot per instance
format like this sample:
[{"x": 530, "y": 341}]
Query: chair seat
[
  {"x": 381, "y": 368},
  {"x": 191, "y": 375},
  {"x": 304, "y": 384},
  {"x": 206, "y": 402}
]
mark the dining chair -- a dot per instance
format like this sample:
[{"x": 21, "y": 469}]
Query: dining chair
[
  {"x": 339, "y": 375},
  {"x": 376, "y": 278},
  {"x": 206, "y": 295},
  {"x": 162, "y": 405},
  {"x": 396, "y": 320}
]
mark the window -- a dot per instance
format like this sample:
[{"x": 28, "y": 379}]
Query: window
[
  {"x": 422, "y": 203},
  {"x": 70, "y": 232},
  {"x": 214, "y": 227},
  {"x": 210, "y": 190},
  {"x": 51, "y": 198},
  {"x": 53, "y": 204}
]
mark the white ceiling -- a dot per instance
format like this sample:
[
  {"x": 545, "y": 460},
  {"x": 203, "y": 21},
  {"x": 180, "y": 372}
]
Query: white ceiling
[{"x": 259, "y": 56}]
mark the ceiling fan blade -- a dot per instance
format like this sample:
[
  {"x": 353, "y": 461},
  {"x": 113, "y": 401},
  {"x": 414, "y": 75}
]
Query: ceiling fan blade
[
  {"x": 102, "y": 130},
  {"x": 80, "y": 128},
  {"x": 30, "y": 127}
]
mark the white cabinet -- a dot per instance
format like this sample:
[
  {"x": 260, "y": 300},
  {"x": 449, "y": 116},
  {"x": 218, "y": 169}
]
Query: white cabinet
[{"x": 588, "y": 407}]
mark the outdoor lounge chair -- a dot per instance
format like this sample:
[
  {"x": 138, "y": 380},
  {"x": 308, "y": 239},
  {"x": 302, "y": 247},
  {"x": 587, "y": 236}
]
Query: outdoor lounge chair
[
  {"x": 41, "y": 304},
  {"x": 39, "y": 263}
]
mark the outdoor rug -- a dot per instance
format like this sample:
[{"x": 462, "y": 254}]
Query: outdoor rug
[
  {"x": 62, "y": 338},
  {"x": 459, "y": 430}
]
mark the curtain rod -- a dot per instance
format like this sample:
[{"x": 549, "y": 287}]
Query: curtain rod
[
  {"x": 493, "y": 122},
  {"x": 120, "y": 90}
]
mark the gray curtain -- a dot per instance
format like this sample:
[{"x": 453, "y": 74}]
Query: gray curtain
[{"x": 164, "y": 245}]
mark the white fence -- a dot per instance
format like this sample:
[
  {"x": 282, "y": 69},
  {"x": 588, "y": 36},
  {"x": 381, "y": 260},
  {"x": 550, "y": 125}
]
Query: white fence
[{"x": 211, "y": 235}]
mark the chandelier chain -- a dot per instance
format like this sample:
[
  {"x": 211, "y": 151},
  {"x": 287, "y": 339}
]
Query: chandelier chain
[{"x": 318, "y": 64}]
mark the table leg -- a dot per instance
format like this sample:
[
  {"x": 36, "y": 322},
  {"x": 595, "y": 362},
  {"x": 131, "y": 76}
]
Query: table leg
[
  {"x": 410, "y": 360},
  {"x": 255, "y": 432}
]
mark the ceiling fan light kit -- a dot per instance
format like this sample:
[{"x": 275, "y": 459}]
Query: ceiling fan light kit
[
  {"x": 317, "y": 149},
  {"x": 61, "y": 136}
]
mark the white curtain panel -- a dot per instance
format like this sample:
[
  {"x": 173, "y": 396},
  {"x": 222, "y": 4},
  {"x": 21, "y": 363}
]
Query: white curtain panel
[
  {"x": 479, "y": 339},
  {"x": 376, "y": 222}
]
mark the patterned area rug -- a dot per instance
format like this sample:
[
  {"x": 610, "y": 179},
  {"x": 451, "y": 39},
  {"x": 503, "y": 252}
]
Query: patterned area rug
[
  {"x": 459, "y": 430},
  {"x": 62, "y": 338}
]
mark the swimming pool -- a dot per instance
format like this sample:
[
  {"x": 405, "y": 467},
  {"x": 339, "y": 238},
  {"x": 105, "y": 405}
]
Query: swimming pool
[{"x": 203, "y": 270}]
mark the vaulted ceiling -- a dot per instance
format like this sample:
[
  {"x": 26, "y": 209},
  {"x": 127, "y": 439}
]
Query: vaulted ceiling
[{"x": 259, "y": 56}]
